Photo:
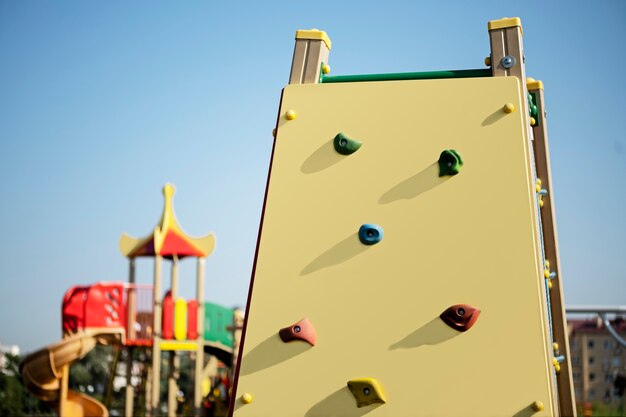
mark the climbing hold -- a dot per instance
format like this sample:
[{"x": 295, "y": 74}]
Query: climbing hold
[
  {"x": 508, "y": 108},
  {"x": 546, "y": 273},
  {"x": 555, "y": 347},
  {"x": 346, "y": 146},
  {"x": 326, "y": 69},
  {"x": 274, "y": 132},
  {"x": 537, "y": 406},
  {"x": 488, "y": 61},
  {"x": 450, "y": 162},
  {"x": 290, "y": 115},
  {"x": 540, "y": 200},
  {"x": 370, "y": 234},
  {"x": 246, "y": 398},
  {"x": 302, "y": 330},
  {"x": 547, "y": 264},
  {"x": 460, "y": 317},
  {"x": 550, "y": 285},
  {"x": 366, "y": 391},
  {"x": 533, "y": 121}
]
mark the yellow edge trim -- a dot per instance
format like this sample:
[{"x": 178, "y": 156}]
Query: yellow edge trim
[
  {"x": 505, "y": 22},
  {"x": 314, "y": 34},
  {"x": 171, "y": 345},
  {"x": 534, "y": 85}
]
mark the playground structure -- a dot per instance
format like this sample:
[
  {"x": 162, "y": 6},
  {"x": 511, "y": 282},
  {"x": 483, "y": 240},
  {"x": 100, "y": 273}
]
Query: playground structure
[
  {"x": 426, "y": 279},
  {"x": 126, "y": 314}
]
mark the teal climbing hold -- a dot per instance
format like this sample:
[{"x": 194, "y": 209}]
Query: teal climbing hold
[
  {"x": 450, "y": 162},
  {"x": 346, "y": 146},
  {"x": 370, "y": 234}
]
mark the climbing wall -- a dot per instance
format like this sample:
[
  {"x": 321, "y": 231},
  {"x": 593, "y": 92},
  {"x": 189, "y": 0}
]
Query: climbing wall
[{"x": 398, "y": 269}]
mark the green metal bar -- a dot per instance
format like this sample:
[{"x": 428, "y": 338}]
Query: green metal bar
[{"x": 398, "y": 76}]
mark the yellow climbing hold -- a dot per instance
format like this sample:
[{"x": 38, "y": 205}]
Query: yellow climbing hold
[
  {"x": 326, "y": 69},
  {"x": 540, "y": 201},
  {"x": 533, "y": 121},
  {"x": 555, "y": 346},
  {"x": 488, "y": 61},
  {"x": 546, "y": 272},
  {"x": 291, "y": 114},
  {"x": 246, "y": 398},
  {"x": 508, "y": 108},
  {"x": 547, "y": 264},
  {"x": 538, "y": 406},
  {"x": 550, "y": 285}
]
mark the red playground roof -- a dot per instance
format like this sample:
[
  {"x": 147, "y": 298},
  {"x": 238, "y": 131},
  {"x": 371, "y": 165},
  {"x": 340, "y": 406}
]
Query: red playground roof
[{"x": 168, "y": 239}]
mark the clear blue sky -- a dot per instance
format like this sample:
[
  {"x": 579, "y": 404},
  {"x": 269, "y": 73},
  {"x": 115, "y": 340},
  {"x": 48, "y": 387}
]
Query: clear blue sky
[{"x": 101, "y": 103}]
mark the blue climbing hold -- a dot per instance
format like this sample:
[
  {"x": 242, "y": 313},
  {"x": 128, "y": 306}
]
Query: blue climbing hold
[{"x": 370, "y": 234}]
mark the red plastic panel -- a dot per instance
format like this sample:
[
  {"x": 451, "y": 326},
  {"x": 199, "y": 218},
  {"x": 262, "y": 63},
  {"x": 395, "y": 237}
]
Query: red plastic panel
[
  {"x": 168, "y": 316},
  {"x": 192, "y": 320},
  {"x": 99, "y": 305}
]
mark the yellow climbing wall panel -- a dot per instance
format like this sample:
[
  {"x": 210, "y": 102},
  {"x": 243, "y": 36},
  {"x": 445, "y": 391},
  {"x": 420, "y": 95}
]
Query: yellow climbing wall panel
[{"x": 470, "y": 239}]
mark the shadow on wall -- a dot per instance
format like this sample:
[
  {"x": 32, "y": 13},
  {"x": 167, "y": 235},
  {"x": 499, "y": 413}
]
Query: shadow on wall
[
  {"x": 339, "y": 403},
  {"x": 270, "y": 352},
  {"x": 324, "y": 157},
  {"x": 432, "y": 333},
  {"x": 341, "y": 252},
  {"x": 419, "y": 183}
]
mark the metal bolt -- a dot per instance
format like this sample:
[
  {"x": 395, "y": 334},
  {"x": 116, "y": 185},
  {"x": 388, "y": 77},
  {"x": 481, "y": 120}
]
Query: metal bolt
[
  {"x": 507, "y": 62},
  {"x": 460, "y": 311},
  {"x": 296, "y": 329},
  {"x": 343, "y": 142},
  {"x": 366, "y": 391}
]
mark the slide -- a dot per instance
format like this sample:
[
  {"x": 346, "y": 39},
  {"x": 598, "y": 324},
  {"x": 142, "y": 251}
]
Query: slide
[{"x": 43, "y": 371}]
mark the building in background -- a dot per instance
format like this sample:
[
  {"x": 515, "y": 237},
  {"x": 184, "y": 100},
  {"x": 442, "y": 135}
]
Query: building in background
[{"x": 597, "y": 360}]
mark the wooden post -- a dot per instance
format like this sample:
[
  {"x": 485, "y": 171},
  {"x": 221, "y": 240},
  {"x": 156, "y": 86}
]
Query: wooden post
[
  {"x": 199, "y": 364},
  {"x": 131, "y": 312},
  {"x": 567, "y": 403},
  {"x": 156, "y": 331},
  {"x": 311, "y": 50},
  {"x": 507, "y": 53},
  {"x": 174, "y": 359}
]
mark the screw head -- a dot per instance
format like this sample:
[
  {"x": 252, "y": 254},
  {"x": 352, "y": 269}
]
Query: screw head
[
  {"x": 460, "y": 311},
  {"x": 297, "y": 329},
  {"x": 366, "y": 391},
  {"x": 538, "y": 406},
  {"x": 508, "y": 108},
  {"x": 507, "y": 62}
]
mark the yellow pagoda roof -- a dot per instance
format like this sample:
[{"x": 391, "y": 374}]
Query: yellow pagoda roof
[{"x": 168, "y": 238}]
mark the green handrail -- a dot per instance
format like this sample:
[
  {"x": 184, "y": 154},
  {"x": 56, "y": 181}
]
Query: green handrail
[{"x": 398, "y": 76}]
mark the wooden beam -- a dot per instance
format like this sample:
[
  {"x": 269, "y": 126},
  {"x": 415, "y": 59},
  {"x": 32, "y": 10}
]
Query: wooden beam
[
  {"x": 311, "y": 50},
  {"x": 567, "y": 403}
]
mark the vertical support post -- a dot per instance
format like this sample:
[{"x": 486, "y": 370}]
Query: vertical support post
[
  {"x": 131, "y": 312},
  {"x": 199, "y": 364},
  {"x": 585, "y": 367},
  {"x": 156, "y": 331},
  {"x": 567, "y": 402},
  {"x": 65, "y": 379},
  {"x": 237, "y": 328},
  {"x": 174, "y": 359},
  {"x": 507, "y": 53},
  {"x": 311, "y": 50}
]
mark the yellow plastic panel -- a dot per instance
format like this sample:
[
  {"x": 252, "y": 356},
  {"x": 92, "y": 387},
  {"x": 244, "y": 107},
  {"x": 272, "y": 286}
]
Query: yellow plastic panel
[
  {"x": 468, "y": 239},
  {"x": 180, "y": 319}
]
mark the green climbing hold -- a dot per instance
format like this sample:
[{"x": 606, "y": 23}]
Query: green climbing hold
[
  {"x": 450, "y": 162},
  {"x": 346, "y": 146}
]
